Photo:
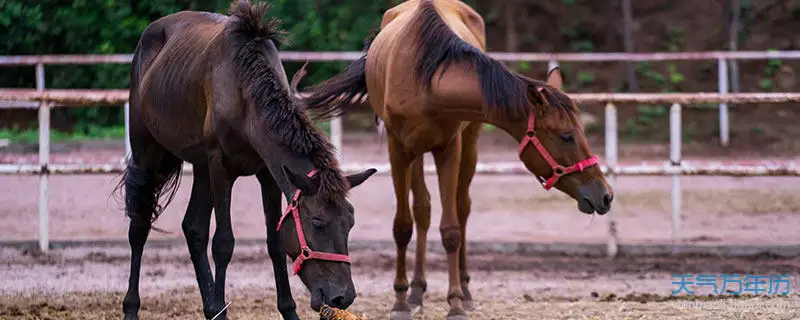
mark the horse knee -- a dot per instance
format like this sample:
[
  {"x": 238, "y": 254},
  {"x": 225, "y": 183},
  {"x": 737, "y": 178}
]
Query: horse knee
[
  {"x": 451, "y": 238},
  {"x": 222, "y": 248},
  {"x": 402, "y": 231}
]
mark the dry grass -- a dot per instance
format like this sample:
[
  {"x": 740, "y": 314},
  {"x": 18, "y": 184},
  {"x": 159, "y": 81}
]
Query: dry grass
[{"x": 186, "y": 305}]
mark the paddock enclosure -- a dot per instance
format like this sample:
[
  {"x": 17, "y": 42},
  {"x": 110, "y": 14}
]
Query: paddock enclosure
[{"x": 679, "y": 209}]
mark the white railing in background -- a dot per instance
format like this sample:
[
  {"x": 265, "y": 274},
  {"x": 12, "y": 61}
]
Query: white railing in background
[
  {"x": 722, "y": 58},
  {"x": 44, "y": 100}
]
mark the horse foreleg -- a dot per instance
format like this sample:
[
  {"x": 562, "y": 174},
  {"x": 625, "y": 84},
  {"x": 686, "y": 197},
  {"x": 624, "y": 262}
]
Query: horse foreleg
[
  {"x": 448, "y": 159},
  {"x": 223, "y": 243},
  {"x": 196, "y": 223},
  {"x": 403, "y": 225},
  {"x": 421, "y": 208},
  {"x": 469, "y": 159},
  {"x": 271, "y": 199}
]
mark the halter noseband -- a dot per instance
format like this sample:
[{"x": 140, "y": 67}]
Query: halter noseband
[
  {"x": 558, "y": 170},
  {"x": 305, "y": 252}
]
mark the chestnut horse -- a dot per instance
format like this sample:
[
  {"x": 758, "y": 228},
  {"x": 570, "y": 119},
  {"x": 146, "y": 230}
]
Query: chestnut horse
[
  {"x": 431, "y": 83},
  {"x": 210, "y": 90}
]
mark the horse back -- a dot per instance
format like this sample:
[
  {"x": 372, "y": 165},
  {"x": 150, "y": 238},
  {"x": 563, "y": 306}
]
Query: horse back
[
  {"x": 393, "y": 53},
  {"x": 170, "y": 75}
]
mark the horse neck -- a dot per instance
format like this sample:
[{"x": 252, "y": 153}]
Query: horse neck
[
  {"x": 275, "y": 157},
  {"x": 457, "y": 95}
]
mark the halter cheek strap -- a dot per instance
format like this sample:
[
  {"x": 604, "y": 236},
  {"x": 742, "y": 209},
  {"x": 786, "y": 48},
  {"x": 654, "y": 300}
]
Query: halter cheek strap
[
  {"x": 558, "y": 170},
  {"x": 305, "y": 252}
]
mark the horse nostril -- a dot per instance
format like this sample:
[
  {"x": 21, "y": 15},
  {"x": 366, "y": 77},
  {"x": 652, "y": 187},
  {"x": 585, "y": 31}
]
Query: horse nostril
[
  {"x": 338, "y": 302},
  {"x": 607, "y": 200}
]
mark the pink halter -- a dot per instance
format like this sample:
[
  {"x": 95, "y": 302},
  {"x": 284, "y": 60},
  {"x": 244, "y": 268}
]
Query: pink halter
[
  {"x": 558, "y": 170},
  {"x": 305, "y": 252}
]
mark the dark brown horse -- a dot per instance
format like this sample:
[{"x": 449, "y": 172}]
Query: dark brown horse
[
  {"x": 210, "y": 90},
  {"x": 431, "y": 83}
]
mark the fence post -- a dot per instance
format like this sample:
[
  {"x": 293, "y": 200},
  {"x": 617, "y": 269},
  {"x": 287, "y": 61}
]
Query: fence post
[
  {"x": 611, "y": 158},
  {"x": 44, "y": 159},
  {"x": 552, "y": 64},
  {"x": 336, "y": 136},
  {"x": 724, "y": 134},
  {"x": 127, "y": 112},
  {"x": 675, "y": 162}
]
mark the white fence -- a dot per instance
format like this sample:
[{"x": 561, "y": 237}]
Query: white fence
[{"x": 44, "y": 100}]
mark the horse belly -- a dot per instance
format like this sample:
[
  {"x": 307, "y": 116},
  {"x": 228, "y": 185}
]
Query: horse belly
[{"x": 418, "y": 136}]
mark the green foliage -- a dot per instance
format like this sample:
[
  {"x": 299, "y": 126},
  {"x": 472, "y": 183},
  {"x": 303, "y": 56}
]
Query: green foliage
[
  {"x": 114, "y": 26},
  {"x": 585, "y": 78},
  {"x": 772, "y": 67},
  {"x": 31, "y": 136}
]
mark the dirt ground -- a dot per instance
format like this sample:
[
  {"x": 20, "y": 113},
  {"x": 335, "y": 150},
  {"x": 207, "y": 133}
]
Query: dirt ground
[{"x": 87, "y": 282}]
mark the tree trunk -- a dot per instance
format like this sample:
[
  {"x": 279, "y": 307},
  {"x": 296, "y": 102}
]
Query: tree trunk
[
  {"x": 512, "y": 41},
  {"x": 628, "y": 40},
  {"x": 734, "y": 7}
]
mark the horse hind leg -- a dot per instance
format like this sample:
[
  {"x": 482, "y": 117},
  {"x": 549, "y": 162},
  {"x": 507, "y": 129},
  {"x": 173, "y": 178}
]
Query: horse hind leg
[
  {"x": 469, "y": 159},
  {"x": 151, "y": 173},
  {"x": 421, "y": 207}
]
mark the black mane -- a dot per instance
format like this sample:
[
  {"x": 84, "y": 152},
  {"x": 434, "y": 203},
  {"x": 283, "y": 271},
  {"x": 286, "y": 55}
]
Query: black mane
[
  {"x": 284, "y": 119},
  {"x": 505, "y": 94}
]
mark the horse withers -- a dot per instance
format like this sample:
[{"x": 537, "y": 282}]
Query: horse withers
[
  {"x": 209, "y": 89},
  {"x": 432, "y": 85}
]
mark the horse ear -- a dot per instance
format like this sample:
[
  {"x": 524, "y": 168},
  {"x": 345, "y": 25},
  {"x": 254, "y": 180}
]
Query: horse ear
[
  {"x": 554, "y": 78},
  {"x": 307, "y": 185},
  {"x": 356, "y": 179},
  {"x": 298, "y": 75}
]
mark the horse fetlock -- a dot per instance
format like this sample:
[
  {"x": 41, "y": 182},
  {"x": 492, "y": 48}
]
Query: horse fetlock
[
  {"x": 451, "y": 239},
  {"x": 131, "y": 304},
  {"x": 286, "y": 306},
  {"x": 421, "y": 284},
  {"x": 400, "y": 286}
]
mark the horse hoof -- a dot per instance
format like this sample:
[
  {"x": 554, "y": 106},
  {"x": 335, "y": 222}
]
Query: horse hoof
[
  {"x": 401, "y": 315},
  {"x": 458, "y": 316},
  {"x": 416, "y": 308},
  {"x": 131, "y": 317},
  {"x": 468, "y": 305}
]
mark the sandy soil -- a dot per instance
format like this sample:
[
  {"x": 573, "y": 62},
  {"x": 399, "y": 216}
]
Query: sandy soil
[
  {"x": 89, "y": 283},
  {"x": 718, "y": 210}
]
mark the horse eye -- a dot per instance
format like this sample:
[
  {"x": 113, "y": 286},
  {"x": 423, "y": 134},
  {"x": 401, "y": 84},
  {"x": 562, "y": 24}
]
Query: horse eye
[
  {"x": 318, "y": 223},
  {"x": 568, "y": 137}
]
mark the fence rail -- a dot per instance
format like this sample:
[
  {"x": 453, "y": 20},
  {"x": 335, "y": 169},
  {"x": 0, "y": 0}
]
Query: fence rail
[
  {"x": 82, "y": 98},
  {"x": 30, "y": 60},
  {"x": 44, "y": 100}
]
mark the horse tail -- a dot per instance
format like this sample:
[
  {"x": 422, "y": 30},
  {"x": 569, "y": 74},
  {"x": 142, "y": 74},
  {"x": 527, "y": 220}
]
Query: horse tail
[
  {"x": 333, "y": 97},
  {"x": 148, "y": 192}
]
